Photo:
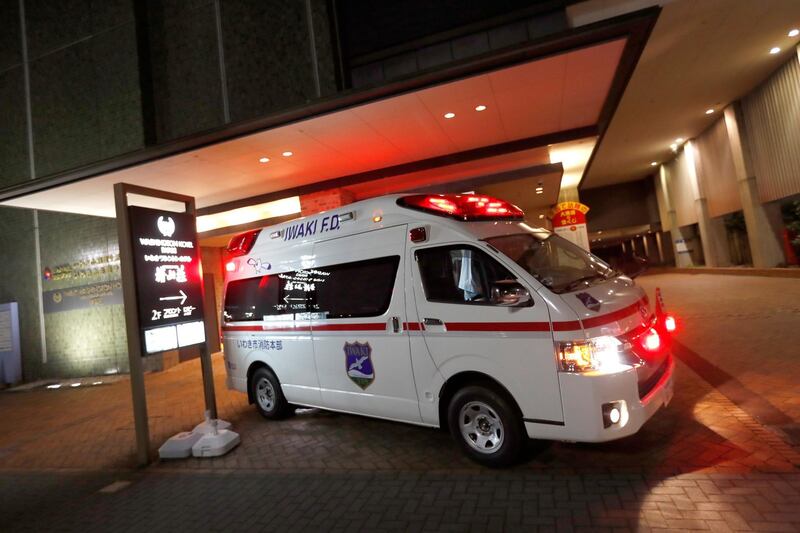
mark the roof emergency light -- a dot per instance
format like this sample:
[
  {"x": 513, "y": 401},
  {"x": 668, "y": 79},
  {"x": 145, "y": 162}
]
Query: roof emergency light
[
  {"x": 242, "y": 244},
  {"x": 466, "y": 207}
]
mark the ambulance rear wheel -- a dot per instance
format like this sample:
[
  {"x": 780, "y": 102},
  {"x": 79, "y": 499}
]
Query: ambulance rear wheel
[
  {"x": 486, "y": 426},
  {"x": 268, "y": 395}
]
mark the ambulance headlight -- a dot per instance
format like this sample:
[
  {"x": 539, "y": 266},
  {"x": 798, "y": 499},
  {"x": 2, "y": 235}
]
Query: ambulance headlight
[{"x": 605, "y": 354}]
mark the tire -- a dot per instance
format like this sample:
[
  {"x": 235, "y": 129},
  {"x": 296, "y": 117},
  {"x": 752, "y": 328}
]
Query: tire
[
  {"x": 268, "y": 395},
  {"x": 486, "y": 426}
]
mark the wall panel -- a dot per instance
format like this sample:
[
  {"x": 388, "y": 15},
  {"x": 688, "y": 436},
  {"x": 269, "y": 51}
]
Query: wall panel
[
  {"x": 772, "y": 124},
  {"x": 682, "y": 190},
  {"x": 716, "y": 171}
]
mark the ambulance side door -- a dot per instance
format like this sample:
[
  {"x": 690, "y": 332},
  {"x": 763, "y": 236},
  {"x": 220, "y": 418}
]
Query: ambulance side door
[
  {"x": 465, "y": 331},
  {"x": 358, "y": 314}
]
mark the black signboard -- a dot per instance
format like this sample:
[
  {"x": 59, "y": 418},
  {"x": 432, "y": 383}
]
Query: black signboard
[{"x": 168, "y": 278}]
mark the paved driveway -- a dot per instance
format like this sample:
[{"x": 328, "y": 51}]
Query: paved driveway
[{"x": 706, "y": 462}]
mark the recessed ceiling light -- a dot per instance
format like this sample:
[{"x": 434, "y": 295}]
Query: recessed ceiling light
[
  {"x": 679, "y": 140},
  {"x": 774, "y": 50},
  {"x": 653, "y": 163},
  {"x": 480, "y": 107},
  {"x": 539, "y": 191},
  {"x": 264, "y": 160},
  {"x": 449, "y": 115},
  {"x": 287, "y": 153},
  {"x": 794, "y": 32},
  {"x": 709, "y": 111}
]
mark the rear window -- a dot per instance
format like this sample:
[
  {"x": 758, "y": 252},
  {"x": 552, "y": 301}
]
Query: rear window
[{"x": 347, "y": 290}]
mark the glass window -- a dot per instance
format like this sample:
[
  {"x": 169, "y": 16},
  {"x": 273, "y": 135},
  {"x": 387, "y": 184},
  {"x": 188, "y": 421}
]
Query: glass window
[
  {"x": 557, "y": 263},
  {"x": 275, "y": 294},
  {"x": 459, "y": 274},
  {"x": 358, "y": 289}
]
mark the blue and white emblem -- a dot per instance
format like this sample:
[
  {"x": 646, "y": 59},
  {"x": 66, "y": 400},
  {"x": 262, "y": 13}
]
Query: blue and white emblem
[{"x": 358, "y": 362}]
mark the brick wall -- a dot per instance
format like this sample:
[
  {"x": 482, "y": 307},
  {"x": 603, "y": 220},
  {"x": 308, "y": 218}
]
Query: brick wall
[{"x": 325, "y": 201}]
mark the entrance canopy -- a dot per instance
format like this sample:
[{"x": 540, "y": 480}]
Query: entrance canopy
[{"x": 534, "y": 124}]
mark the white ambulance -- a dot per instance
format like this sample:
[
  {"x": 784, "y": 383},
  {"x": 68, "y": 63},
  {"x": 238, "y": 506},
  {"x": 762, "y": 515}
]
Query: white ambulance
[{"x": 444, "y": 311}]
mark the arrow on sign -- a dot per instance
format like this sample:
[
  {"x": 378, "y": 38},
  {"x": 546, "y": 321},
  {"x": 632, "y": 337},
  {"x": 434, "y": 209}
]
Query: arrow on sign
[
  {"x": 182, "y": 297},
  {"x": 286, "y": 299}
]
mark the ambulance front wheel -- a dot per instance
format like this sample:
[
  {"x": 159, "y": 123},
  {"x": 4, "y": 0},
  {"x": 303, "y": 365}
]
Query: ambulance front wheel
[
  {"x": 267, "y": 395},
  {"x": 486, "y": 426}
]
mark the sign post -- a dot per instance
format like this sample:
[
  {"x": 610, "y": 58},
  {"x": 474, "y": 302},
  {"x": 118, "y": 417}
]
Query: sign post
[
  {"x": 569, "y": 221},
  {"x": 162, "y": 286}
]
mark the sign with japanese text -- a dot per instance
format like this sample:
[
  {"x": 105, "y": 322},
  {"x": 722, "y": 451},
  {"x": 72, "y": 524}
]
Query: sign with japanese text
[
  {"x": 569, "y": 221},
  {"x": 168, "y": 278}
]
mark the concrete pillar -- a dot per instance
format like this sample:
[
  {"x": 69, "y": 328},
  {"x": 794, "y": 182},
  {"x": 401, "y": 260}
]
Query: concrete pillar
[
  {"x": 570, "y": 194},
  {"x": 671, "y": 224},
  {"x": 660, "y": 248},
  {"x": 713, "y": 236},
  {"x": 324, "y": 201},
  {"x": 762, "y": 233}
]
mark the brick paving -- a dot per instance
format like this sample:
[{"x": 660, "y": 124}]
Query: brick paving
[{"x": 702, "y": 463}]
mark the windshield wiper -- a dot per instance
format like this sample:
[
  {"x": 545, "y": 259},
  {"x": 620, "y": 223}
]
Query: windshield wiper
[{"x": 569, "y": 287}]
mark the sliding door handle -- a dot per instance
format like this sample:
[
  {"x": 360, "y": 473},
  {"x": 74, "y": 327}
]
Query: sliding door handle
[{"x": 432, "y": 322}]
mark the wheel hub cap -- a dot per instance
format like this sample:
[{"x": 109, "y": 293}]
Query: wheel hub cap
[{"x": 481, "y": 427}]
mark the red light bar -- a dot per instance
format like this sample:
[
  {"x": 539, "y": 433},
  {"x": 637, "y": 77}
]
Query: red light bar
[
  {"x": 242, "y": 244},
  {"x": 463, "y": 206}
]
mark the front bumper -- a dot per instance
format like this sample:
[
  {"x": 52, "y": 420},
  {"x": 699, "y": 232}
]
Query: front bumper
[{"x": 583, "y": 396}]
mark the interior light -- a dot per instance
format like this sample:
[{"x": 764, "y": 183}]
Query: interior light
[
  {"x": 653, "y": 163},
  {"x": 287, "y": 153},
  {"x": 679, "y": 140},
  {"x": 541, "y": 216},
  {"x": 774, "y": 50},
  {"x": 54, "y": 386},
  {"x": 794, "y": 32},
  {"x": 709, "y": 111},
  {"x": 482, "y": 107},
  {"x": 673, "y": 147},
  {"x": 539, "y": 191},
  {"x": 73, "y": 385},
  {"x": 449, "y": 115},
  {"x": 264, "y": 160}
]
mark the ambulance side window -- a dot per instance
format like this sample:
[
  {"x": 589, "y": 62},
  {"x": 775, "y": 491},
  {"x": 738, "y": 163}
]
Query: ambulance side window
[
  {"x": 357, "y": 289},
  {"x": 459, "y": 274},
  {"x": 254, "y": 298}
]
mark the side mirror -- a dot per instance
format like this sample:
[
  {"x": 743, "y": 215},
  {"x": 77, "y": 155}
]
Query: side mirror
[{"x": 510, "y": 294}]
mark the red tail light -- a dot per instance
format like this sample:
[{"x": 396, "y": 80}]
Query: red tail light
[
  {"x": 242, "y": 243},
  {"x": 651, "y": 340},
  {"x": 463, "y": 206}
]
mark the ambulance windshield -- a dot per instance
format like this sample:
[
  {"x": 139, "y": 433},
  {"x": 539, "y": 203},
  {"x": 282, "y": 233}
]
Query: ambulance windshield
[{"x": 557, "y": 263}]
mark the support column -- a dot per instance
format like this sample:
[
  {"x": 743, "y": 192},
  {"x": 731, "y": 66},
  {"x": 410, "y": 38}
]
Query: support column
[
  {"x": 671, "y": 224},
  {"x": 324, "y": 201},
  {"x": 762, "y": 236},
  {"x": 713, "y": 236},
  {"x": 659, "y": 249}
]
